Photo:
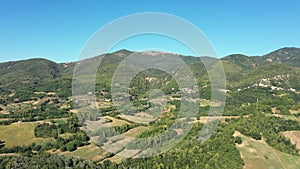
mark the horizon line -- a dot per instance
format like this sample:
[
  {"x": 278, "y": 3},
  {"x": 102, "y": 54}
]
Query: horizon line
[{"x": 134, "y": 51}]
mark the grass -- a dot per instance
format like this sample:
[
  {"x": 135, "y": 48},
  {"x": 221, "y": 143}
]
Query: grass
[
  {"x": 60, "y": 121},
  {"x": 90, "y": 152},
  {"x": 104, "y": 104},
  {"x": 254, "y": 163},
  {"x": 136, "y": 131},
  {"x": 204, "y": 103},
  {"x": 117, "y": 159},
  {"x": 115, "y": 121},
  {"x": 287, "y": 117},
  {"x": 137, "y": 119},
  {"x": 258, "y": 154},
  {"x": 100, "y": 123},
  {"x": 205, "y": 119},
  {"x": 66, "y": 135},
  {"x": 17, "y": 134},
  {"x": 294, "y": 136}
]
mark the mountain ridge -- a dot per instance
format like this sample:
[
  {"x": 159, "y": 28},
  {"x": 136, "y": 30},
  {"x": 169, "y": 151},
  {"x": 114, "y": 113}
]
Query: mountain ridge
[
  {"x": 29, "y": 73},
  {"x": 267, "y": 55},
  {"x": 39, "y": 90}
]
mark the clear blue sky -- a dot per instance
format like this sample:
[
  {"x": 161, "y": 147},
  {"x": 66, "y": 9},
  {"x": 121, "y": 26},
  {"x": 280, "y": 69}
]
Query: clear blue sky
[{"x": 58, "y": 29}]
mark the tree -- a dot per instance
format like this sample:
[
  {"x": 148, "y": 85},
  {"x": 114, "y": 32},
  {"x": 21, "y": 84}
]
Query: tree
[
  {"x": 45, "y": 130},
  {"x": 238, "y": 140},
  {"x": 71, "y": 147},
  {"x": 63, "y": 148}
]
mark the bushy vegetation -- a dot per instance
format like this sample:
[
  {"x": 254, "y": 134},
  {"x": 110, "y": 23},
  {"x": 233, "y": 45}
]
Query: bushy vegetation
[
  {"x": 45, "y": 161},
  {"x": 259, "y": 125},
  {"x": 46, "y": 130}
]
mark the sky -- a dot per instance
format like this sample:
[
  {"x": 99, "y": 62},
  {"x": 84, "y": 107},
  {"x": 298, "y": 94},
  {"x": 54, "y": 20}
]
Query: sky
[{"x": 58, "y": 29}]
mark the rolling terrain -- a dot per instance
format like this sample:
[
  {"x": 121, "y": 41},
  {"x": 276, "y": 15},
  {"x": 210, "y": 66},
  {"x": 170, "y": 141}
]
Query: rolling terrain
[{"x": 40, "y": 117}]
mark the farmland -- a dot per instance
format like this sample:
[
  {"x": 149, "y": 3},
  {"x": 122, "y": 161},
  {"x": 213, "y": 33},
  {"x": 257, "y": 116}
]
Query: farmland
[
  {"x": 258, "y": 154},
  {"x": 18, "y": 134}
]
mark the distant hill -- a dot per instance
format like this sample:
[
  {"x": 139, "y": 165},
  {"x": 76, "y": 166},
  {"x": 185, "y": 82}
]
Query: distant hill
[
  {"x": 14, "y": 75},
  {"x": 289, "y": 56},
  {"x": 42, "y": 74},
  {"x": 245, "y": 62}
]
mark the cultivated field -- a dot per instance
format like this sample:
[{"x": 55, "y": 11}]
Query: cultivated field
[
  {"x": 90, "y": 152},
  {"x": 294, "y": 137},
  {"x": 259, "y": 155},
  {"x": 115, "y": 121},
  {"x": 141, "y": 117},
  {"x": 18, "y": 134},
  {"x": 136, "y": 131}
]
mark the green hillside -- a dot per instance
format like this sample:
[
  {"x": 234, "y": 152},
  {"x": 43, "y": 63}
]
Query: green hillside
[
  {"x": 288, "y": 55},
  {"x": 18, "y": 74},
  {"x": 47, "y": 124}
]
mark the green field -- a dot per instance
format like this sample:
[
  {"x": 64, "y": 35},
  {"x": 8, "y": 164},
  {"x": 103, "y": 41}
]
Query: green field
[
  {"x": 257, "y": 154},
  {"x": 17, "y": 134},
  {"x": 115, "y": 121},
  {"x": 90, "y": 152},
  {"x": 136, "y": 131}
]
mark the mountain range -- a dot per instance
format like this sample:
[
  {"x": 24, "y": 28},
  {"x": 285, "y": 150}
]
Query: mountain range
[
  {"x": 41, "y": 125},
  {"x": 29, "y": 73}
]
